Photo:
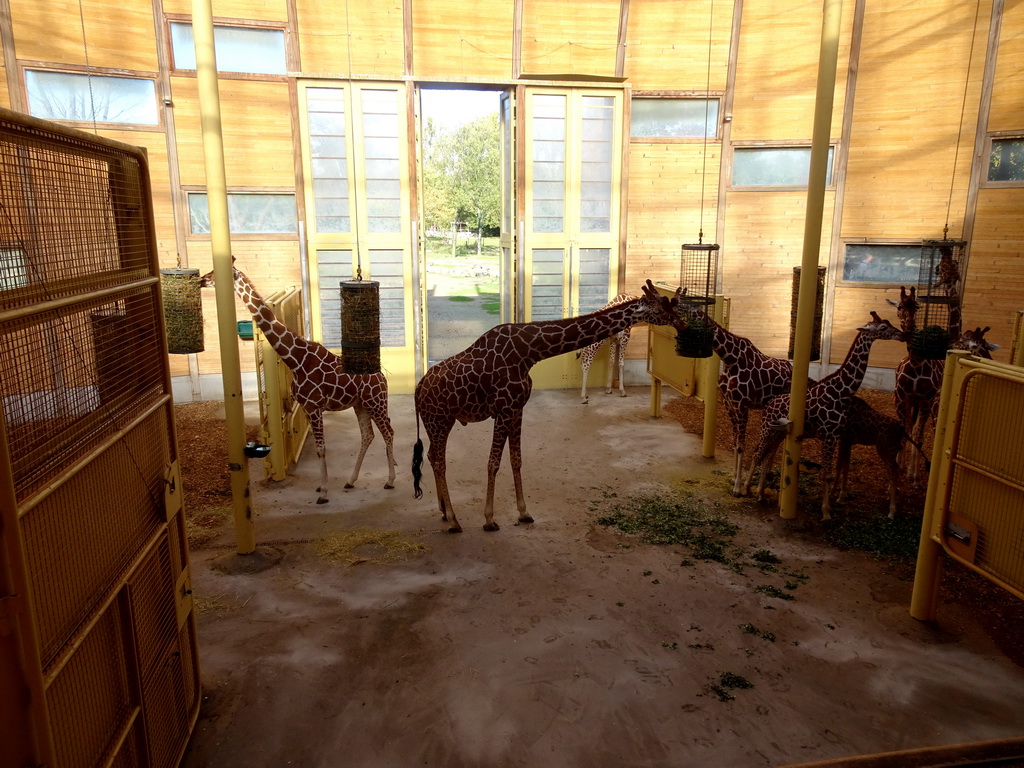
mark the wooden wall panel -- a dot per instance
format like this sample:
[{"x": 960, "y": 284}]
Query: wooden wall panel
[
  {"x": 468, "y": 39},
  {"x": 667, "y": 45},
  {"x": 5, "y": 96},
  {"x": 995, "y": 273},
  {"x": 764, "y": 241},
  {"x": 777, "y": 70},
  {"x": 377, "y": 36},
  {"x": 901, "y": 162},
  {"x": 273, "y": 266},
  {"x": 853, "y": 307},
  {"x": 257, "y": 133},
  {"x": 51, "y": 31},
  {"x": 581, "y": 42},
  {"x": 262, "y": 10},
  {"x": 1008, "y": 94}
]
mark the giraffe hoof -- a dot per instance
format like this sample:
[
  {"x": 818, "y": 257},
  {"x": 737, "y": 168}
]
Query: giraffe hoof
[
  {"x": 455, "y": 529},
  {"x": 321, "y": 500},
  {"x": 525, "y": 519},
  {"x": 388, "y": 486},
  {"x": 491, "y": 526},
  {"x": 349, "y": 485},
  {"x": 622, "y": 394}
]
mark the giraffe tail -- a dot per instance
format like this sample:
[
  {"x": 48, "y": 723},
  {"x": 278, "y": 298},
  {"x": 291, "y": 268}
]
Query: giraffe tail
[{"x": 417, "y": 460}]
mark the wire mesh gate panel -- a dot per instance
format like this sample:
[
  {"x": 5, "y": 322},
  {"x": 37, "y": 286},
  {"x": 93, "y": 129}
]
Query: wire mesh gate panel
[
  {"x": 97, "y": 635},
  {"x": 975, "y": 505},
  {"x": 283, "y": 423}
]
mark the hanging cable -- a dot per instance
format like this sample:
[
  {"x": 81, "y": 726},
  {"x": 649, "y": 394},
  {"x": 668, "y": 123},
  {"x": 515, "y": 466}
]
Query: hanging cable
[
  {"x": 88, "y": 69},
  {"x": 350, "y": 119},
  {"x": 963, "y": 110},
  {"x": 707, "y": 101}
]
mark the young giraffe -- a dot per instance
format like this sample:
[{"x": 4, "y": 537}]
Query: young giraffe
[
  {"x": 490, "y": 379},
  {"x": 616, "y": 353},
  {"x": 319, "y": 384},
  {"x": 826, "y": 407},
  {"x": 749, "y": 379}
]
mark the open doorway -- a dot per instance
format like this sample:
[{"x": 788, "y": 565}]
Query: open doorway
[{"x": 461, "y": 163}]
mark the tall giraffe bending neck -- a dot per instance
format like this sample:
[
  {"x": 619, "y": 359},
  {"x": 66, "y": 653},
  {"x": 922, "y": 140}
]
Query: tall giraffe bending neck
[
  {"x": 555, "y": 337},
  {"x": 280, "y": 337}
]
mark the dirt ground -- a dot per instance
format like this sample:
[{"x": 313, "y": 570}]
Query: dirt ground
[{"x": 570, "y": 642}]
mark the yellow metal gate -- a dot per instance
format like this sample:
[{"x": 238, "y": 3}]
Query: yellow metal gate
[
  {"x": 974, "y": 512},
  {"x": 283, "y": 423},
  {"x": 97, "y": 634}
]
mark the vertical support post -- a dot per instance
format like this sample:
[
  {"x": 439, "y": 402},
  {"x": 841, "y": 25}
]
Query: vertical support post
[
  {"x": 924, "y": 599},
  {"x": 220, "y": 237},
  {"x": 827, "y": 57},
  {"x": 709, "y": 386}
]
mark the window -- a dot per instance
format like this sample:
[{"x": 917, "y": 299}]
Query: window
[
  {"x": 248, "y": 213},
  {"x": 238, "y": 49},
  {"x": 881, "y": 263},
  {"x": 105, "y": 99},
  {"x": 13, "y": 270},
  {"x": 325, "y": 108},
  {"x": 673, "y": 118},
  {"x": 774, "y": 166},
  {"x": 1006, "y": 160}
]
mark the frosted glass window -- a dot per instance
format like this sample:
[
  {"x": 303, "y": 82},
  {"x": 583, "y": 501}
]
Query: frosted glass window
[
  {"x": 548, "y": 284},
  {"x": 13, "y": 269},
  {"x": 333, "y": 268},
  {"x": 662, "y": 118},
  {"x": 238, "y": 49},
  {"x": 247, "y": 214},
  {"x": 774, "y": 166},
  {"x": 549, "y": 163},
  {"x": 105, "y": 99},
  {"x": 593, "y": 279},
  {"x": 596, "y": 169},
  {"x": 874, "y": 263},
  {"x": 325, "y": 109},
  {"x": 1006, "y": 161},
  {"x": 381, "y": 157},
  {"x": 387, "y": 267}
]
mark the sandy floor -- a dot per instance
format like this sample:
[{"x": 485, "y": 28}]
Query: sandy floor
[{"x": 566, "y": 643}]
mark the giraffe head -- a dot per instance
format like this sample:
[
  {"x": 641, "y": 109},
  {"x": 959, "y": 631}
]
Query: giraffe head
[
  {"x": 881, "y": 329},
  {"x": 906, "y": 308},
  {"x": 654, "y": 308},
  {"x": 975, "y": 343},
  {"x": 208, "y": 280}
]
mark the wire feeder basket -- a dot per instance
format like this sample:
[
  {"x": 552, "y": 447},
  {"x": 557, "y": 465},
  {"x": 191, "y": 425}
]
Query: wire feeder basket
[
  {"x": 360, "y": 326},
  {"x": 183, "y": 311}
]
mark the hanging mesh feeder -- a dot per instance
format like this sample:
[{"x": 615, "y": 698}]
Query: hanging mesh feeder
[
  {"x": 360, "y": 327},
  {"x": 183, "y": 310},
  {"x": 697, "y": 340}
]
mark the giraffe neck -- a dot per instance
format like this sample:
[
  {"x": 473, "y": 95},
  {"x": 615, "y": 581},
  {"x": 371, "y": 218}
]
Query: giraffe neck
[
  {"x": 955, "y": 313},
  {"x": 555, "y": 337},
  {"x": 847, "y": 379},
  {"x": 277, "y": 333},
  {"x": 727, "y": 345}
]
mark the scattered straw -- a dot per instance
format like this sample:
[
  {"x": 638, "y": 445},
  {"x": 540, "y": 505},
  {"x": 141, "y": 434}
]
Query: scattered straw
[{"x": 365, "y": 545}]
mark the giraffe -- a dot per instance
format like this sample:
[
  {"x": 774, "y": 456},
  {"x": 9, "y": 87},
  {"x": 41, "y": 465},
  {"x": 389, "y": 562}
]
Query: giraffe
[
  {"x": 319, "y": 384},
  {"x": 866, "y": 425},
  {"x": 616, "y": 353},
  {"x": 749, "y": 379},
  {"x": 491, "y": 379},
  {"x": 825, "y": 410}
]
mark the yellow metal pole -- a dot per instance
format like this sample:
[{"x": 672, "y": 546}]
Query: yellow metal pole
[
  {"x": 220, "y": 237},
  {"x": 827, "y": 57},
  {"x": 925, "y": 596},
  {"x": 709, "y": 386}
]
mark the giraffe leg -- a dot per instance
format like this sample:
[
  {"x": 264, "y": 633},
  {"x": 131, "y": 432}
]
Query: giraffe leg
[
  {"x": 842, "y": 467},
  {"x": 366, "y": 437},
  {"x": 622, "y": 367},
  {"x": 585, "y": 363},
  {"x": 613, "y": 360},
  {"x": 438, "y": 435},
  {"x": 515, "y": 456},
  {"x": 493, "y": 464},
  {"x": 316, "y": 423},
  {"x": 828, "y": 450},
  {"x": 738, "y": 417},
  {"x": 388, "y": 433}
]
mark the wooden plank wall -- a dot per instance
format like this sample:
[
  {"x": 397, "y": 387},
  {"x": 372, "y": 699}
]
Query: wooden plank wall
[{"x": 909, "y": 143}]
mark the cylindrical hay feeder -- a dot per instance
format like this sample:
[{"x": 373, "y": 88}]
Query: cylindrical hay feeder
[
  {"x": 183, "y": 310},
  {"x": 360, "y": 326}
]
